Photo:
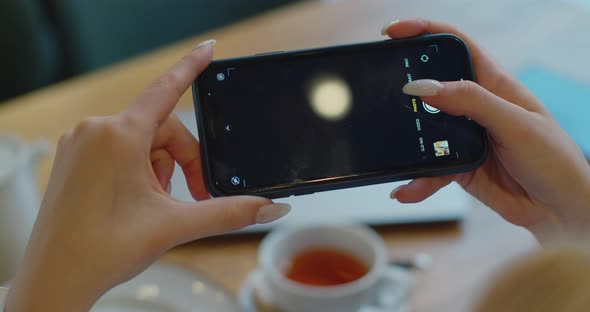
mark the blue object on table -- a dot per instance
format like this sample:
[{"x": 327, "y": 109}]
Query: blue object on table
[
  {"x": 582, "y": 3},
  {"x": 567, "y": 99}
]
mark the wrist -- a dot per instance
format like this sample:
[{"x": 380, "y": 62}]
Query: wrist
[
  {"x": 547, "y": 230},
  {"x": 569, "y": 220},
  {"x": 576, "y": 214}
]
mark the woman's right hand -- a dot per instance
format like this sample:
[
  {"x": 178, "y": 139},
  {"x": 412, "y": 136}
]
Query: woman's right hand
[{"x": 535, "y": 175}]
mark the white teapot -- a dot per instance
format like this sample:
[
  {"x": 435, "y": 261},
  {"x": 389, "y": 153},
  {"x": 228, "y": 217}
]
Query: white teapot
[{"x": 19, "y": 199}]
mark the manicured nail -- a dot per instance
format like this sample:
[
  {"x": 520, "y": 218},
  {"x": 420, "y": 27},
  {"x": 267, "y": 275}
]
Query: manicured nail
[
  {"x": 393, "y": 193},
  {"x": 205, "y": 43},
  {"x": 169, "y": 187},
  {"x": 272, "y": 212},
  {"x": 387, "y": 26},
  {"x": 423, "y": 87}
]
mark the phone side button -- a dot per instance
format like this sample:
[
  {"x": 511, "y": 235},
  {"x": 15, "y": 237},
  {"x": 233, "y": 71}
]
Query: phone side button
[{"x": 268, "y": 53}]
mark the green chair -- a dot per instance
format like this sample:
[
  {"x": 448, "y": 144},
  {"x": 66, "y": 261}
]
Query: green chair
[
  {"x": 29, "y": 53},
  {"x": 99, "y": 32}
]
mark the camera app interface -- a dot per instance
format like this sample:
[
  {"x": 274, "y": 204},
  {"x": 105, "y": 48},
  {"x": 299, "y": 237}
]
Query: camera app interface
[{"x": 338, "y": 113}]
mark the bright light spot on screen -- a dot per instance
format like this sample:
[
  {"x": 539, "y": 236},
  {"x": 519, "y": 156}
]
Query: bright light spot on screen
[{"x": 331, "y": 98}]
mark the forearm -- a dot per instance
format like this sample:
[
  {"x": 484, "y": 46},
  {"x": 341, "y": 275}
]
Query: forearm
[
  {"x": 41, "y": 294},
  {"x": 43, "y": 284}
]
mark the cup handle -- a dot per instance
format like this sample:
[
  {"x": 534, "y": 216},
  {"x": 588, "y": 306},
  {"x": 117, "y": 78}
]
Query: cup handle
[
  {"x": 392, "y": 292},
  {"x": 255, "y": 295}
]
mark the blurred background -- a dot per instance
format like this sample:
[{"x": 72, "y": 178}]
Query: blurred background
[
  {"x": 60, "y": 61},
  {"x": 45, "y": 41},
  {"x": 543, "y": 42}
]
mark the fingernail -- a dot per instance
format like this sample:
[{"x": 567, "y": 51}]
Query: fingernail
[
  {"x": 169, "y": 187},
  {"x": 393, "y": 193},
  {"x": 387, "y": 26},
  {"x": 423, "y": 87},
  {"x": 205, "y": 43},
  {"x": 272, "y": 212}
]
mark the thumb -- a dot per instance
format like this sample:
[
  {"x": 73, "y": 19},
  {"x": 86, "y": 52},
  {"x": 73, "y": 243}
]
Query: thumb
[
  {"x": 467, "y": 98},
  {"x": 191, "y": 221}
]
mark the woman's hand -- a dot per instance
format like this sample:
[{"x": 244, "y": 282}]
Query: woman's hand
[
  {"x": 107, "y": 216},
  {"x": 535, "y": 175}
]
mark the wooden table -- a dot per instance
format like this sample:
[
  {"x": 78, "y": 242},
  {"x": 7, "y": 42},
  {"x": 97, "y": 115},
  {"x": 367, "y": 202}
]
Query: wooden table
[{"x": 465, "y": 254}]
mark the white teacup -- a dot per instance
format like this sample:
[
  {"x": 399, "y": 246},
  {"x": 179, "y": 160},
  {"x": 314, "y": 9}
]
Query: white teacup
[
  {"x": 19, "y": 199},
  {"x": 383, "y": 287}
]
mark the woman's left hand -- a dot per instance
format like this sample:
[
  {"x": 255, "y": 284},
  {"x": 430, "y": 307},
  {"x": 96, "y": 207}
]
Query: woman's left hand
[{"x": 107, "y": 216}]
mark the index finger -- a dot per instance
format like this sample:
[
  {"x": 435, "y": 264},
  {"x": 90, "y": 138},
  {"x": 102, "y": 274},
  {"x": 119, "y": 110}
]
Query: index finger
[
  {"x": 415, "y": 27},
  {"x": 156, "y": 103},
  {"x": 489, "y": 74},
  {"x": 184, "y": 149}
]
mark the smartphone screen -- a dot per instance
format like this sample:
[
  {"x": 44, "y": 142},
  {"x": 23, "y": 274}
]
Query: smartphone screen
[{"x": 295, "y": 122}]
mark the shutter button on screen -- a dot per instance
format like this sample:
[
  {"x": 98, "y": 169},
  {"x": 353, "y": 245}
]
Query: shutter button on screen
[{"x": 430, "y": 109}]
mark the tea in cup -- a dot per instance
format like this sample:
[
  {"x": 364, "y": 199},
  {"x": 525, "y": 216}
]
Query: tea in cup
[{"x": 329, "y": 268}]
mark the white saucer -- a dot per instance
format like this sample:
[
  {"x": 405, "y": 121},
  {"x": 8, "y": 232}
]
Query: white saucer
[
  {"x": 254, "y": 295},
  {"x": 167, "y": 288}
]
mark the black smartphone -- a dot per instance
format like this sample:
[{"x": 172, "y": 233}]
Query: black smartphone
[{"x": 291, "y": 123}]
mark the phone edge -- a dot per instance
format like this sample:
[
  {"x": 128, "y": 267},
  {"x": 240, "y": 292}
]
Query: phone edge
[{"x": 287, "y": 191}]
